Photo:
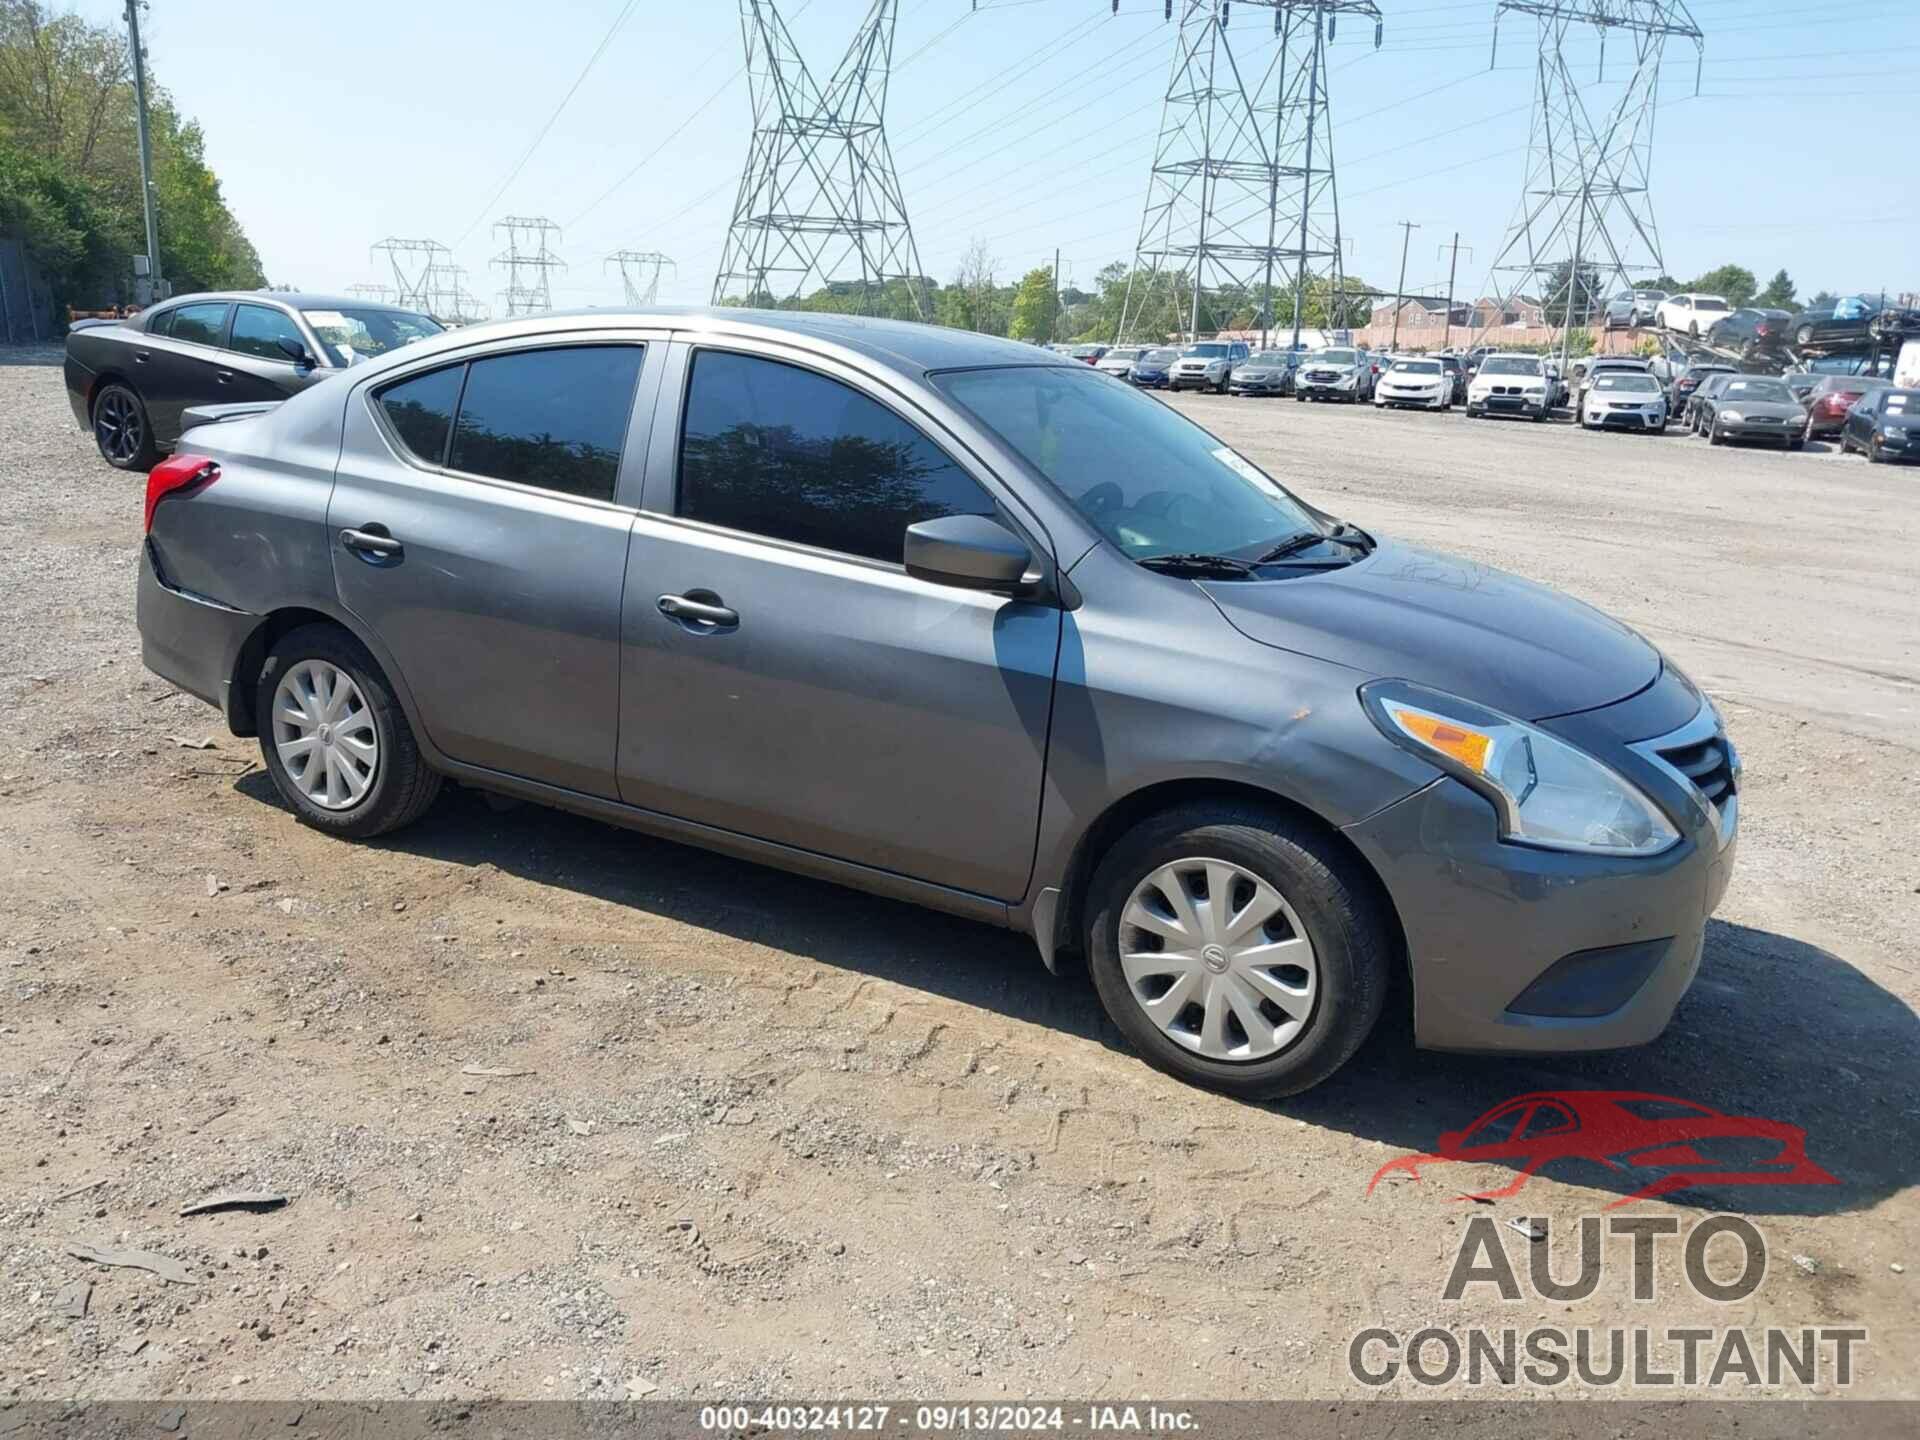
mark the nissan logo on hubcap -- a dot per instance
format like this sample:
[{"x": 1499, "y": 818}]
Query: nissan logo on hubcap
[{"x": 1215, "y": 959}]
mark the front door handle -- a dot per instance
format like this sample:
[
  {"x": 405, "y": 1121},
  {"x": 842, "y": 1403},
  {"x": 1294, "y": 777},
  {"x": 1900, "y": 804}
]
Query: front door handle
[
  {"x": 370, "y": 542},
  {"x": 706, "y": 610},
  {"x": 140, "y": 357},
  {"x": 223, "y": 376}
]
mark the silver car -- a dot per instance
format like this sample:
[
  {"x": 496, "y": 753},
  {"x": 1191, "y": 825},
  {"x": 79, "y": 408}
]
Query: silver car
[
  {"x": 1208, "y": 365},
  {"x": 957, "y": 621}
]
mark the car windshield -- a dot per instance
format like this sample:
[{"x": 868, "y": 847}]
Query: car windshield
[
  {"x": 1271, "y": 357},
  {"x": 1209, "y": 352},
  {"x": 1148, "y": 479},
  {"x": 1337, "y": 357},
  {"x": 1509, "y": 365},
  {"x": 1416, "y": 367},
  {"x": 1770, "y": 390},
  {"x": 1160, "y": 357},
  {"x": 1626, "y": 380},
  {"x": 355, "y": 335}
]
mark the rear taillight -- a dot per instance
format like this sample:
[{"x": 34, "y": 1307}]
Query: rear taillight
[{"x": 181, "y": 472}]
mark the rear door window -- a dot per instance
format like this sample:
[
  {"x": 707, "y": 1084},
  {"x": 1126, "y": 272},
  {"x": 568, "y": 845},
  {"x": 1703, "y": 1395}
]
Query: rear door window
[
  {"x": 204, "y": 324},
  {"x": 258, "y": 330},
  {"x": 555, "y": 419},
  {"x": 420, "y": 411},
  {"x": 775, "y": 450}
]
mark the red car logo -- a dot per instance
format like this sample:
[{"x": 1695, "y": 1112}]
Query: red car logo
[{"x": 1674, "y": 1143}]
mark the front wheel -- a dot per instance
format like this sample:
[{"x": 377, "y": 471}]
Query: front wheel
[
  {"x": 335, "y": 739},
  {"x": 1714, "y": 437},
  {"x": 122, "y": 430},
  {"x": 1238, "y": 948},
  {"x": 1875, "y": 456}
]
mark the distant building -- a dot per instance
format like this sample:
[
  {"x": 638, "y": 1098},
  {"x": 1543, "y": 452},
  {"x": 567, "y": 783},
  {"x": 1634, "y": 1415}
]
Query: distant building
[
  {"x": 1522, "y": 310},
  {"x": 1420, "y": 312}
]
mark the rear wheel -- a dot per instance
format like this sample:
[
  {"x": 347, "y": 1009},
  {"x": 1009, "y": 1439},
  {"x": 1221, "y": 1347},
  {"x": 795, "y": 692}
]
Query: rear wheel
[
  {"x": 1238, "y": 948},
  {"x": 335, "y": 739},
  {"x": 121, "y": 429}
]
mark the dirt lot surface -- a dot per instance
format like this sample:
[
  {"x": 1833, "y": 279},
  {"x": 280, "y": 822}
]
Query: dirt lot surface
[{"x": 742, "y": 1134}]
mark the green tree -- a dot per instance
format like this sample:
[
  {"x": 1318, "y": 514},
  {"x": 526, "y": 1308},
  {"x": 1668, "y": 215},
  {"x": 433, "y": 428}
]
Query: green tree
[
  {"x": 1779, "y": 292},
  {"x": 1735, "y": 282},
  {"x": 1825, "y": 297},
  {"x": 1585, "y": 303},
  {"x": 70, "y": 166},
  {"x": 1033, "y": 307}
]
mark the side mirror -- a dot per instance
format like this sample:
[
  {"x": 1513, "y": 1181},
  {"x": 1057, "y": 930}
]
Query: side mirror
[
  {"x": 297, "y": 352},
  {"x": 973, "y": 552}
]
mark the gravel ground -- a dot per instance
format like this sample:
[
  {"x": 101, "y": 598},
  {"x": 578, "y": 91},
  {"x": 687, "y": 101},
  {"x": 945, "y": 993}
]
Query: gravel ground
[{"x": 745, "y": 1134}]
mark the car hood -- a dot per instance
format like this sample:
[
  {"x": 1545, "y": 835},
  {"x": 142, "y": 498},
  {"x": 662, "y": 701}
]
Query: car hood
[{"x": 1457, "y": 626}]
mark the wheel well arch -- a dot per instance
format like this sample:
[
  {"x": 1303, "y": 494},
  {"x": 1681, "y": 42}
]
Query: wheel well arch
[
  {"x": 1130, "y": 810},
  {"x": 101, "y": 381},
  {"x": 241, "y": 719}
]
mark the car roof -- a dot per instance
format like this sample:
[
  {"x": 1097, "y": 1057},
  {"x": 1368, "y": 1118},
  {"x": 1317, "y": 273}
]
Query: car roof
[
  {"x": 904, "y": 346},
  {"x": 298, "y": 299}
]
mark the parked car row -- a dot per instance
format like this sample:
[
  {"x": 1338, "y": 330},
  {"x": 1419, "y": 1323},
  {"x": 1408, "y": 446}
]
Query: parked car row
[{"x": 1752, "y": 331}]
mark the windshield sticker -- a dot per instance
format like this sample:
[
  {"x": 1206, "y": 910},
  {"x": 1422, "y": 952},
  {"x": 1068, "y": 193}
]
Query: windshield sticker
[
  {"x": 1244, "y": 468},
  {"x": 328, "y": 320}
]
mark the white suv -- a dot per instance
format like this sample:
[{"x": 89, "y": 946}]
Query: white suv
[
  {"x": 1691, "y": 314},
  {"x": 1509, "y": 385},
  {"x": 1207, "y": 365}
]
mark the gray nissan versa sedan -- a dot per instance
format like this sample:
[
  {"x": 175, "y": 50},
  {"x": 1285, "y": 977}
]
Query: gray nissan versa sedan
[{"x": 961, "y": 622}]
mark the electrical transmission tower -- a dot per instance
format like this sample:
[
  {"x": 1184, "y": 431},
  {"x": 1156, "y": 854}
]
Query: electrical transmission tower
[
  {"x": 449, "y": 300},
  {"x": 819, "y": 201},
  {"x": 1585, "y": 223},
  {"x": 1242, "y": 197},
  {"x": 529, "y": 262},
  {"x": 640, "y": 274},
  {"x": 413, "y": 263}
]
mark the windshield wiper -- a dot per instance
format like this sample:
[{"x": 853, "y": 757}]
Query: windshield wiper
[
  {"x": 1196, "y": 563},
  {"x": 1341, "y": 534}
]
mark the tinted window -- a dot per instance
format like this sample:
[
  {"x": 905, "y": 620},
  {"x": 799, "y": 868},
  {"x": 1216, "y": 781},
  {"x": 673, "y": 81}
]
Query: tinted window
[
  {"x": 775, "y": 450},
  {"x": 161, "y": 324},
  {"x": 1209, "y": 352},
  {"x": 551, "y": 418},
  {"x": 1710, "y": 305},
  {"x": 202, "y": 324},
  {"x": 421, "y": 411},
  {"x": 258, "y": 331}
]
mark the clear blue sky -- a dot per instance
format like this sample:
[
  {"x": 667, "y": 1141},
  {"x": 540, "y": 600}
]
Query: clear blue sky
[{"x": 334, "y": 125}]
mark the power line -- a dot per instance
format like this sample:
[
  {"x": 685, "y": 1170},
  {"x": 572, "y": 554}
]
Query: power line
[{"x": 541, "y": 133}]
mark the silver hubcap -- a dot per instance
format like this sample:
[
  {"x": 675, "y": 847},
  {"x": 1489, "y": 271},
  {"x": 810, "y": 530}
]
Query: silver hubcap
[
  {"x": 324, "y": 733},
  {"x": 1217, "y": 959}
]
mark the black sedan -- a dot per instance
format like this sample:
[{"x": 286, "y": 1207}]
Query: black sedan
[
  {"x": 129, "y": 382},
  {"x": 1884, "y": 425},
  {"x": 1750, "y": 331},
  {"x": 1845, "y": 321},
  {"x": 1751, "y": 407}
]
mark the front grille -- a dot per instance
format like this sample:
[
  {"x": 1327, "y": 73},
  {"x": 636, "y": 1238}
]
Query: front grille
[{"x": 1708, "y": 764}]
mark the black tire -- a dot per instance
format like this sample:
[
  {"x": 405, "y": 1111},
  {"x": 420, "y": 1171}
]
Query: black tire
[
  {"x": 403, "y": 786},
  {"x": 1875, "y": 456},
  {"x": 1340, "y": 907},
  {"x": 121, "y": 429},
  {"x": 1796, "y": 444},
  {"x": 1714, "y": 437}
]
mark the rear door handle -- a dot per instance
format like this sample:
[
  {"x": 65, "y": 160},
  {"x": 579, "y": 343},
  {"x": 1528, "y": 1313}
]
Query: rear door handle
[
  {"x": 223, "y": 376},
  {"x": 369, "y": 543},
  {"x": 140, "y": 357},
  {"x": 706, "y": 611}
]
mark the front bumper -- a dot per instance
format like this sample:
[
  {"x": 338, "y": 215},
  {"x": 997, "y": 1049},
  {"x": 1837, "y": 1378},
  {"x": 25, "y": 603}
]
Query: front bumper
[
  {"x": 1148, "y": 379},
  {"x": 1779, "y": 432},
  {"x": 1526, "y": 950},
  {"x": 1626, "y": 419},
  {"x": 1428, "y": 399},
  {"x": 1199, "y": 379},
  {"x": 1900, "y": 447},
  {"x": 1510, "y": 404},
  {"x": 1308, "y": 385},
  {"x": 189, "y": 640},
  {"x": 1275, "y": 385}
]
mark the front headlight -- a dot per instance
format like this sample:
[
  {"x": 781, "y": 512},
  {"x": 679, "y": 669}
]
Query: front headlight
[
  {"x": 1731, "y": 415},
  {"x": 1546, "y": 792}
]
